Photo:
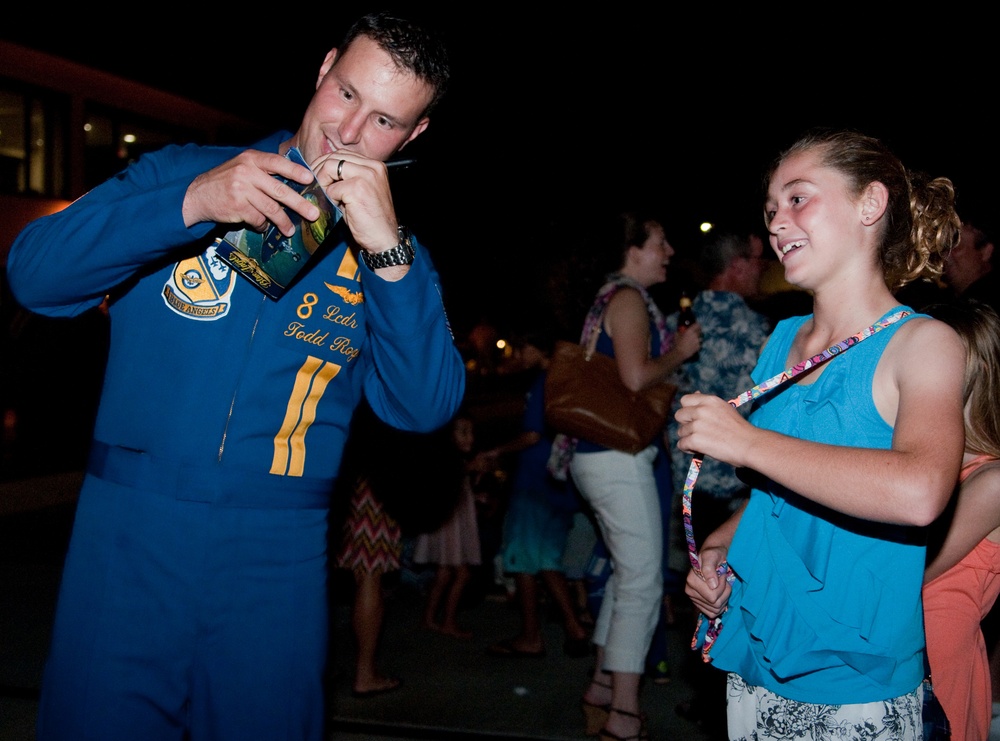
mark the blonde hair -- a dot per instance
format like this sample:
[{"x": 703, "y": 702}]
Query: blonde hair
[
  {"x": 978, "y": 324},
  {"x": 920, "y": 225}
]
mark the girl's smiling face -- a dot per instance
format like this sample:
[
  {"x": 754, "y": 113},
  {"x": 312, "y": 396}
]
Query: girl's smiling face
[{"x": 814, "y": 219}]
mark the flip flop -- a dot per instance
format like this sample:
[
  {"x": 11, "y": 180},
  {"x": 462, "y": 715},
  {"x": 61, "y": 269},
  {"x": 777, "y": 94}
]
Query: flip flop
[{"x": 507, "y": 648}]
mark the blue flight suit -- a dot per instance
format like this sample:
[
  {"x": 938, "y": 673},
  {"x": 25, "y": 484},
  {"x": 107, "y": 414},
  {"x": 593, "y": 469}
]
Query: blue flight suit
[{"x": 194, "y": 591}]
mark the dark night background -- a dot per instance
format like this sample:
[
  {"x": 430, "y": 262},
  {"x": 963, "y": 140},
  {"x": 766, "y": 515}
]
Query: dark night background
[{"x": 554, "y": 116}]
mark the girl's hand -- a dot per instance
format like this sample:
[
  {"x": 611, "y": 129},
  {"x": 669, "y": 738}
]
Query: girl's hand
[
  {"x": 709, "y": 591},
  {"x": 710, "y": 426}
]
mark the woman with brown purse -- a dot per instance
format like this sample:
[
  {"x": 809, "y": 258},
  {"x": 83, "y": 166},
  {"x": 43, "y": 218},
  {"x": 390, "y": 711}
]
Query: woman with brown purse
[{"x": 620, "y": 487}]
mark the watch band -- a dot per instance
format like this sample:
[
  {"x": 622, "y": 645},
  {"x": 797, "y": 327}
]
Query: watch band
[{"x": 401, "y": 254}]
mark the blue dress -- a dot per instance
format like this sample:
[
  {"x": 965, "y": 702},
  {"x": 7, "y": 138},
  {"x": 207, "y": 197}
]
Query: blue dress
[{"x": 535, "y": 528}]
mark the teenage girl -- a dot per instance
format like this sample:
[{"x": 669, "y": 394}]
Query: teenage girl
[{"x": 822, "y": 626}]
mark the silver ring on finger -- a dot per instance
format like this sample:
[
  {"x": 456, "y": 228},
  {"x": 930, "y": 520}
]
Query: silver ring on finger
[{"x": 340, "y": 170}]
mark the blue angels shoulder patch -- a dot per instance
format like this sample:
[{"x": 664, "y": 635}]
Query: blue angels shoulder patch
[{"x": 200, "y": 288}]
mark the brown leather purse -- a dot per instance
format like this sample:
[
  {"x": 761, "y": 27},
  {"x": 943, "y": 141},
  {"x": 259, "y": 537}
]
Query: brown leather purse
[{"x": 586, "y": 399}]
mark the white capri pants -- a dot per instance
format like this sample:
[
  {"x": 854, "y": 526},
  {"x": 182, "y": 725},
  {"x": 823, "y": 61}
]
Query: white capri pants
[{"x": 622, "y": 492}]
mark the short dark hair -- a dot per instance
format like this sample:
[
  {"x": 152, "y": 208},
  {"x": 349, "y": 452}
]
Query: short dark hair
[
  {"x": 413, "y": 47},
  {"x": 719, "y": 250},
  {"x": 614, "y": 234}
]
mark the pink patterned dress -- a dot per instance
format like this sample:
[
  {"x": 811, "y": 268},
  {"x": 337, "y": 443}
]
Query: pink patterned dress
[{"x": 372, "y": 540}]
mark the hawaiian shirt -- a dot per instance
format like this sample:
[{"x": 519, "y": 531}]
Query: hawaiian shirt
[{"x": 732, "y": 336}]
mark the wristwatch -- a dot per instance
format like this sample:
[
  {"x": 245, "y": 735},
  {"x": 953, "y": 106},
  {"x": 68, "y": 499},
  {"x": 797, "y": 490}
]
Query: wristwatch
[{"x": 401, "y": 254}]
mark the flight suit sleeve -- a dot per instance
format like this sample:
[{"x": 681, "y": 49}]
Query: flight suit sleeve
[{"x": 416, "y": 378}]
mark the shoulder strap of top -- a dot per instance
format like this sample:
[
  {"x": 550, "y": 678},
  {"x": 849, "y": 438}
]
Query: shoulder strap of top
[
  {"x": 972, "y": 466},
  {"x": 596, "y": 312}
]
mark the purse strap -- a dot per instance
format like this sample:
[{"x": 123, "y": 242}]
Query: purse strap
[
  {"x": 564, "y": 446},
  {"x": 590, "y": 346},
  {"x": 705, "y": 634},
  {"x": 595, "y": 315}
]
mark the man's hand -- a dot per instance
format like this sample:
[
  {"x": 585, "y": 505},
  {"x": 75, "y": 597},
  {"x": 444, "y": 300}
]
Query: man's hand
[
  {"x": 243, "y": 191},
  {"x": 362, "y": 193}
]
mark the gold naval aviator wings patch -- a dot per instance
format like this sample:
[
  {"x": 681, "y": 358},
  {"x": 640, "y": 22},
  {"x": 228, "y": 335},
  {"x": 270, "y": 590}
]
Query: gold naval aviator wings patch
[{"x": 350, "y": 297}]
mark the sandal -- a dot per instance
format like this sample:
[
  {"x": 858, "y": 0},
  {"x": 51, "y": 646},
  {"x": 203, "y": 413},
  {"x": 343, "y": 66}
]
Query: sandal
[
  {"x": 642, "y": 735},
  {"x": 594, "y": 715}
]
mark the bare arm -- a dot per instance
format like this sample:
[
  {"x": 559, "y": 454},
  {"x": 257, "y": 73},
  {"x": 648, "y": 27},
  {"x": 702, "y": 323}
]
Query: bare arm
[
  {"x": 976, "y": 516},
  {"x": 627, "y": 323},
  {"x": 908, "y": 484},
  {"x": 522, "y": 441},
  {"x": 487, "y": 460}
]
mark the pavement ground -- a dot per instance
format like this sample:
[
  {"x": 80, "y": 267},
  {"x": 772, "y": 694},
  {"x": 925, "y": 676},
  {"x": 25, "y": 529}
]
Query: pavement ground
[{"x": 450, "y": 687}]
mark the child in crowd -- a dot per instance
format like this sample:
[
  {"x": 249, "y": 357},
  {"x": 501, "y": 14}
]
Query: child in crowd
[
  {"x": 370, "y": 549},
  {"x": 963, "y": 572},
  {"x": 370, "y": 546},
  {"x": 538, "y": 519},
  {"x": 455, "y": 546}
]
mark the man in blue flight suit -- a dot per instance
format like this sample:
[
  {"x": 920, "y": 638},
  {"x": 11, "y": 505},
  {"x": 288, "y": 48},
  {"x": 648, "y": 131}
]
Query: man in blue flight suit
[{"x": 193, "y": 601}]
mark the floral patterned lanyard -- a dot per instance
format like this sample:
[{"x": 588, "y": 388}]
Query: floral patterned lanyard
[{"x": 707, "y": 630}]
